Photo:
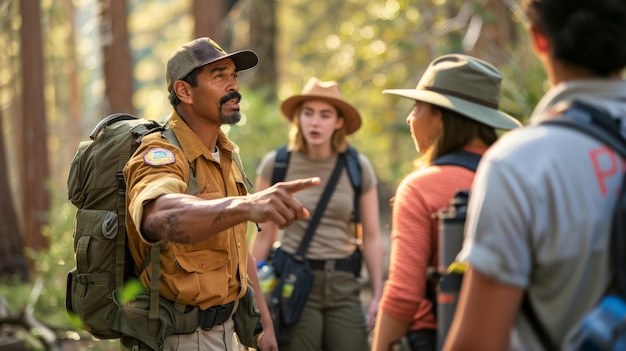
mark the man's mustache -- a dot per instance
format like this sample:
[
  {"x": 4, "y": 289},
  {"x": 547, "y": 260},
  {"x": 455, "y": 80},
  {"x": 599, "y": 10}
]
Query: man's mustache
[{"x": 230, "y": 96}]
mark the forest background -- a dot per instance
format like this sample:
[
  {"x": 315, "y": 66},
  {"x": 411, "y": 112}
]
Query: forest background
[{"x": 65, "y": 64}]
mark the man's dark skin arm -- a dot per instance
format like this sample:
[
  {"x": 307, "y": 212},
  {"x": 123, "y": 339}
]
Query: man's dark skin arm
[{"x": 188, "y": 219}]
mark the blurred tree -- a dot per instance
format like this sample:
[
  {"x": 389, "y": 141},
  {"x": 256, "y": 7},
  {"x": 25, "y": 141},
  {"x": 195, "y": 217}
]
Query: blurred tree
[
  {"x": 12, "y": 260},
  {"x": 263, "y": 36},
  {"x": 117, "y": 58},
  {"x": 208, "y": 15},
  {"x": 33, "y": 167},
  {"x": 72, "y": 97}
]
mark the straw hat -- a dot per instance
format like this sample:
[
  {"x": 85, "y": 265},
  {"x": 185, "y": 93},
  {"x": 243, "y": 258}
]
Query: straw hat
[
  {"x": 463, "y": 84},
  {"x": 328, "y": 92}
]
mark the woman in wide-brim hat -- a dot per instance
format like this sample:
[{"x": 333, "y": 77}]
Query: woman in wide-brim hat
[
  {"x": 332, "y": 318},
  {"x": 456, "y": 112}
]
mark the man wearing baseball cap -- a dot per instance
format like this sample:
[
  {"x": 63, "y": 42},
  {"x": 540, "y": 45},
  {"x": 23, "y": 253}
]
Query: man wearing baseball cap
[{"x": 192, "y": 200}]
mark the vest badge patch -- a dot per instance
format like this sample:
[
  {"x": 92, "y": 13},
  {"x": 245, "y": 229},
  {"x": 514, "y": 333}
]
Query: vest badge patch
[{"x": 158, "y": 157}]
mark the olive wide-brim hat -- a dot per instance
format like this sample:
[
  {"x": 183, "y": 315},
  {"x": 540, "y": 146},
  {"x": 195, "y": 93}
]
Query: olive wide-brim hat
[
  {"x": 200, "y": 52},
  {"x": 464, "y": 84},
  {"x": 328, "y": 92}
]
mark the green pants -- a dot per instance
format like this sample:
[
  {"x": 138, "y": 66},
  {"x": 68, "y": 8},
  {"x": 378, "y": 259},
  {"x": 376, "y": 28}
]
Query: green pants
[{"x": 332, "y": 319}]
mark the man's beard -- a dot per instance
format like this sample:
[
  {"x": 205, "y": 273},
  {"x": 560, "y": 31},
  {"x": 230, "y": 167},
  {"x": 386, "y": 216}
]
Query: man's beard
[{"x": 234, "y": 117}]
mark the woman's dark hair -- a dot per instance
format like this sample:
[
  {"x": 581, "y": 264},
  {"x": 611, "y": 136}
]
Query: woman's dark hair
[
  {"x": 584, "y": 33},
  {"x": 192, "y": 79},
  {"x": 458, "y": 130}
]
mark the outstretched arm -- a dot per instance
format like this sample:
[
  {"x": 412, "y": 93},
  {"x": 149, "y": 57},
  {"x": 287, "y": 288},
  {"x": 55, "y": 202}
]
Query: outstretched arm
[{"x": 189, "y": 219}]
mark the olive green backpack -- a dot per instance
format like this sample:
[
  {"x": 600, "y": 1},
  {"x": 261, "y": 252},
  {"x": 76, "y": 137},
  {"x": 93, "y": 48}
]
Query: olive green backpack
[{"x": 103, "y": 263}]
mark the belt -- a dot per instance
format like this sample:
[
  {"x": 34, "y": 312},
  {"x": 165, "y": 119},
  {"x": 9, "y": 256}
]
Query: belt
[
  {"x": 215, "y": 315},
  {"x": 343, "y": 265}
]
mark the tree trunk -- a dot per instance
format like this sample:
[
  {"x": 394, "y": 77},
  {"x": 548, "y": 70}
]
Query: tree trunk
[
  {"x": 208, "y": 15},
  {"x": 34, "y": 170},
  {"x": 75, "y": 133},
  {"x": 263, "y": 42},
  {"x": 117, "y": 57},
  {"x": 12, "y": 260}
]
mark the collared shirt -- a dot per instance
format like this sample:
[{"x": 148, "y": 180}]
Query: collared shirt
[{"x": 212, "y": 272}]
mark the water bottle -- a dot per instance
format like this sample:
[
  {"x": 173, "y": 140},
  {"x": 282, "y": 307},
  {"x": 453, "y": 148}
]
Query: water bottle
[
  {"x": 451, "y": 225},
  {"x": 604, "y": 328},
  {"x": 267, "y": 277}
]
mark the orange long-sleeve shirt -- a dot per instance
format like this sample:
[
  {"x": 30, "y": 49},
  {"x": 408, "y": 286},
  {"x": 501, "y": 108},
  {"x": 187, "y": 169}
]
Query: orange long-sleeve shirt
[{"x": 414, "y": 240}]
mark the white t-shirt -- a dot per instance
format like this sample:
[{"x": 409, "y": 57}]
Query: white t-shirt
[{"x": 540, "y": 213}]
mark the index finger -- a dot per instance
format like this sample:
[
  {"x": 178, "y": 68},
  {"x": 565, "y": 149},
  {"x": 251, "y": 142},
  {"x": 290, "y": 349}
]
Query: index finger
[{"x": 293, "y": 186}]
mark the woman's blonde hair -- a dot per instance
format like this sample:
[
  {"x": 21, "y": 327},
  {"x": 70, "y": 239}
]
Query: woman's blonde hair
[
  {"x": 457, "y": 132},
  {"x": 298, "y": 142}
]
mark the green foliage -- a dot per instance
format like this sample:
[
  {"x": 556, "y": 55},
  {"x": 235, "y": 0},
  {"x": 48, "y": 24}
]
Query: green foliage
[
  {"x": 131, "y": 290},
  {"x": 46, "y": 291}
]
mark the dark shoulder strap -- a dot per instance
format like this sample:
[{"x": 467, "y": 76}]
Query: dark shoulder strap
[
  {"x": 536, "y": 325},
  {"x": 594, "y": 122},
  {"x": 280, "y": 164},
  {"x": 321, "y": 206},
  {"x": 354, "y": 172},
  {"x": 459, "y": 158}
]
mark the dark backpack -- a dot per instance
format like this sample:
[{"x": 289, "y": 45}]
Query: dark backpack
[
  {"x": 281, "y": 163},
  {"x": 603, "y": 328}
]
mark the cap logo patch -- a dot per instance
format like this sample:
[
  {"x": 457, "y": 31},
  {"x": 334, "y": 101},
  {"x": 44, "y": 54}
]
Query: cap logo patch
[
  {"x": 216, "y": 45},
  {"x": 158, "y": 157}
]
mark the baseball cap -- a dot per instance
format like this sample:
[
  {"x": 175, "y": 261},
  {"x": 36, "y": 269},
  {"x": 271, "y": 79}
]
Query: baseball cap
[{"x": 200, "y": 52}]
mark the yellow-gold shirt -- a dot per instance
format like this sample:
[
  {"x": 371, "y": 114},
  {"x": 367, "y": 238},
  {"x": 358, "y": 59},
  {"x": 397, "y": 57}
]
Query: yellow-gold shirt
[{"x": 212, "y": 272}]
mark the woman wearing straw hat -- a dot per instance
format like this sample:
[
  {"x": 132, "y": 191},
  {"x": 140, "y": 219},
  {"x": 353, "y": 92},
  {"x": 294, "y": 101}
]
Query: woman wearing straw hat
[
  {"x": 332, "y": 318},
  {"x": 456, "y": 108}
]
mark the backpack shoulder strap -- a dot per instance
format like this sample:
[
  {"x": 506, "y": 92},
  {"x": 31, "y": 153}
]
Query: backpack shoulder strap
[
  {"x": 354, "y": 172},
  {"x": 461, "y": 158},
  {"x": 354, "y": 168},
  {"x": 281, "y": 162},
  {"x": 594, "y": 122},
  {"x": 192, "y": 187}
]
